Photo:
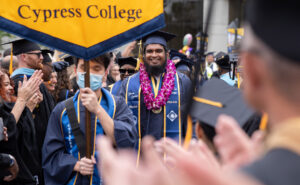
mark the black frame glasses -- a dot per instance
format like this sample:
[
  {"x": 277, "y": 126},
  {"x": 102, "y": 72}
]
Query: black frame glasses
[
  {"x": 129, "y": 71},
  {"x": 37, "y": 54}
]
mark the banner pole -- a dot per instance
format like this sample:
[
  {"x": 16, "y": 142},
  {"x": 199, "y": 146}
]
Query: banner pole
[{"x": 87, "y": 113}]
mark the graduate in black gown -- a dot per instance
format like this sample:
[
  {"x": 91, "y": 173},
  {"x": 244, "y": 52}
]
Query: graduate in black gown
[
  {"x": 30, "y": 59},
  {"x": 22, "y": 145}
]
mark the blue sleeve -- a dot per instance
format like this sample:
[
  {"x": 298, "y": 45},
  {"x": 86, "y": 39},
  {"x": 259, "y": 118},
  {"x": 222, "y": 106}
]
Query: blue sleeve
[
  {"x": 57, "y": 163},
  {"x": 122, "y": 90},
  {"x": 124, "y": 128}
]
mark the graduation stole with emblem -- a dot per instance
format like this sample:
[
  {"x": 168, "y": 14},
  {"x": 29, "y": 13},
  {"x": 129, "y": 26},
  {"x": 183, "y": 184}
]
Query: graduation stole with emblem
[{"x": 171, "y": 111}]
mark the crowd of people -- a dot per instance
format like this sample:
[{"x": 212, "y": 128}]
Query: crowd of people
[{"x": 239, "y": 127}]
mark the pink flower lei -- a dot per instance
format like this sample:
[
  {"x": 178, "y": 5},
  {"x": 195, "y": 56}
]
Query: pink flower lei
[{"x": 165, "y": 91}]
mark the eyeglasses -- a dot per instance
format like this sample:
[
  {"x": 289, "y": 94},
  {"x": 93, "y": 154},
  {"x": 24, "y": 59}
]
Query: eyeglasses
[
  {"x": 37, "y": 54},
  {"x": 129, "y": 71}
]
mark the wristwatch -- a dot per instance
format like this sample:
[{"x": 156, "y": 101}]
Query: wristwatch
[{"x": 12, "y": 160}]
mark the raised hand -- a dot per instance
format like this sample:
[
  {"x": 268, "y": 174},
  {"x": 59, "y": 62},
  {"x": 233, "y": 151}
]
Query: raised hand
[
  {"x": 234, "y": 146},
  {"x": 89, "y": 100},
  {"x": 29, "y": 87}
]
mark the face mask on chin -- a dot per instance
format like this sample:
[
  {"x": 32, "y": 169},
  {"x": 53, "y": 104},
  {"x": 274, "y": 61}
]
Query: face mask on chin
[{"x": 95, "y": 81}]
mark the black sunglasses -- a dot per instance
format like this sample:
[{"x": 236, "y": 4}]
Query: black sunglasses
[
  {"x": 129, "y": 71},
  {"x": 37, "y": 54}
]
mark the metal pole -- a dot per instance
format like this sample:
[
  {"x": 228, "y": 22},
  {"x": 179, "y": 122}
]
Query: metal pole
[{"x": 87, "y": 113}]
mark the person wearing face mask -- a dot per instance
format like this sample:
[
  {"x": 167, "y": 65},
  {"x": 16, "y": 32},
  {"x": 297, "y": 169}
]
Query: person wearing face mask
[{"x": 109, "y": 114}]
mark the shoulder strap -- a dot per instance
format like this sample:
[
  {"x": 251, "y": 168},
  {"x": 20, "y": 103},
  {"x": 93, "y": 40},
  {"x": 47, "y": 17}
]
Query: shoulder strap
[{"x": 79, "y": 137}]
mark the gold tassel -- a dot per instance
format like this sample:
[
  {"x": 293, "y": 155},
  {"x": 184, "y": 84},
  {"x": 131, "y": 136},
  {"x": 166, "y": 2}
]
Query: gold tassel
[
  {"x": 208, "y": 102},
  {"x": 238, "y": 80},
  {"x": 140, "y": 57},
  {"x": 263, "y": 122},
  {"x": 11, "y": 61},
  {"x": 189, "y": 132}
]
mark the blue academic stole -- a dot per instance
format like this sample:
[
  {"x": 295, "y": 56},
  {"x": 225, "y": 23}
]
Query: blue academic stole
[
  {"x": 172, "y": 113},
  {"x": 114, "y": 88},
  {"x": 108, "y": 104}
]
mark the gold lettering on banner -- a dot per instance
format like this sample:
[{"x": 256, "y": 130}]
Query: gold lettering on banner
[{"x": 91, "y": 11}]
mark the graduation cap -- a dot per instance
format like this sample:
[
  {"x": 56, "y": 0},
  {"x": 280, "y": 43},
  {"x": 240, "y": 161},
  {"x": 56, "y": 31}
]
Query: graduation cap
[
  {"x": 127, "y": 60},
  {"x": 185, "y": 64},
  {"x": 275, "y": 22},
  {"x": 216, "y": 97},
  {"x": 66, "y": 57},
  {"x": 222, "y": 59},
  {"x": 209, "y": 53},
  {"x": 23, "y": 46},
  {"x": 158, "y": 37},
  {"x": 60, "y": 65},
  {"x": 46, "y": 55},
  {"x": 174, "y": 54}
]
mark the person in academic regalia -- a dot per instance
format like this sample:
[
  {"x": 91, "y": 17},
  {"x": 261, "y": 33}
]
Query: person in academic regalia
[
  {"x": 64, "y": 161},
  {"x": 214, "y": 98},
  {"x": 49, "y": 75},
  {"x": 182, "y": 63},
  {"x": 157, "y": 94},
  {"x": 222, "y": 60},
  {"x": 271, "y": 69},
  {"x": 30, "y": 59},
  {"x": 21, "y": 142},
  {"x": 63, "y": 88},
  {"x": 127, "y": 68}
]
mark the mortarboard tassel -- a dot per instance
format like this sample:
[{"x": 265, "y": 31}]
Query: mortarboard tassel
[
  {"x": 189, "y": 133},
  {"x": 238, "y": 80},
  {"x": 11, "y": 61},
  {"x": 208, "y": 102},
  {"x": 140, "y": 57},
  {"x": 263, "y": 122}
]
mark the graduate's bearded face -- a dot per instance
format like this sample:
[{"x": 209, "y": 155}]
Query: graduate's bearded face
[
  {"x": 34, "y": 59},
  {"x": 95, "y": 67},
  {"x": 155, "y": 57}
]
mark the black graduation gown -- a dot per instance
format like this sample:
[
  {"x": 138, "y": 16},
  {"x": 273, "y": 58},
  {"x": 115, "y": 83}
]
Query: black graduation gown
[
  {"x": 278, "y": 167},
  {"x": 64, "y": 94},
  {"x": 21, "y": 144},
  {"x": 41, "y": 113}
]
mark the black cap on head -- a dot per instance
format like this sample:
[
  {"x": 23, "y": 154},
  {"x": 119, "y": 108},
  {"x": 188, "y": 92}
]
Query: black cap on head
[
  {"x": 23, "y": 46},
  {"x": 185, "y": 64},
  {"x": 46, "y": 55},
  {"x": 275, "y": 22},
  {"x": 127, "y": 60},
  {"x": 209, "y": 53},
  {"x": 216, "y": 97},
  {"x": 158, "y": 37},
  {"x": 66, "y": 57},
  {"x": 59, "y": 66},
  {"x": 222, "y": 59}
]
